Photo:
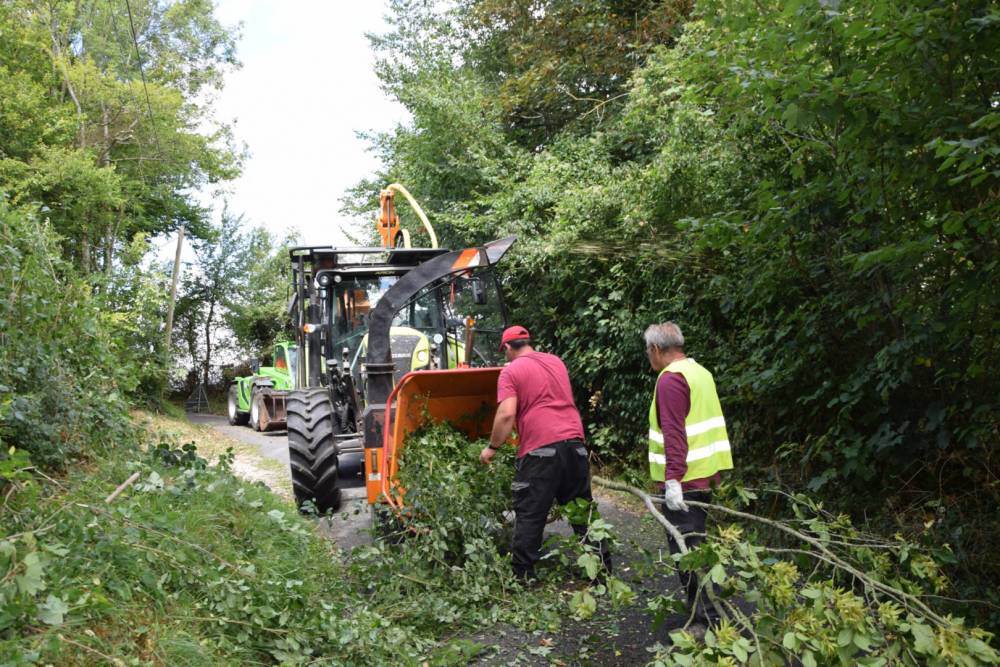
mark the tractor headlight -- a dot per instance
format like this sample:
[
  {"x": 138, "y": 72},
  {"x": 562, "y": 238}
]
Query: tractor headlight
[{"x": 422, "y": 357}]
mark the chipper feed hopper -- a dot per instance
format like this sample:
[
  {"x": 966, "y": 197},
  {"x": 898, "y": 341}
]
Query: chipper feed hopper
[{"x": 387, "y": 337}]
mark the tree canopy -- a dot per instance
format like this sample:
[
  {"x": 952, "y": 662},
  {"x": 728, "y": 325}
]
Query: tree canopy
[{"x": 112, "y": 136}]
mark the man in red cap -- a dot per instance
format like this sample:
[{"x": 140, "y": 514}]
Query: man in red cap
[{"x": 534, "y": 393}]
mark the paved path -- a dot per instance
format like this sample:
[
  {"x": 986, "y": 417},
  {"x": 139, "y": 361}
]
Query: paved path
[
  {"x": 348, "y": 528},
  {"x": 272, "y": 445}
]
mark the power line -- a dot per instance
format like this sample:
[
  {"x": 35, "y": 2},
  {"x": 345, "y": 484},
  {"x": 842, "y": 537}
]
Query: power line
[
  {"x": 142, "y": 74},
  {"x": 124, "y": 72}
]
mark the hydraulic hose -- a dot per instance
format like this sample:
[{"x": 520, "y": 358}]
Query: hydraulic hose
[{"x": 396, "y": 187}]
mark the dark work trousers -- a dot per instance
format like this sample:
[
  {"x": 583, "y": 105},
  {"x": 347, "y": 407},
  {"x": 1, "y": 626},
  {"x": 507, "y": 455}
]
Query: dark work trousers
[
  {"x": 557, "y": 472},
  {"x": 692, "y": 521}
]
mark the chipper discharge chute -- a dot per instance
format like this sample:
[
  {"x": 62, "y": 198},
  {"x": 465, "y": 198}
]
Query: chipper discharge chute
[{"x": 427, "y": 321}]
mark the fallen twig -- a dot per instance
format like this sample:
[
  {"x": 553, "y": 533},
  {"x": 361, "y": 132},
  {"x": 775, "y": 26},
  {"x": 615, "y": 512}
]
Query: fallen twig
[
  {"x": 121, "y": 487},
  {"x": 824, "y": 553},
  {"x": 650, "y": 505},
  {"x": 90, "y": 649}
]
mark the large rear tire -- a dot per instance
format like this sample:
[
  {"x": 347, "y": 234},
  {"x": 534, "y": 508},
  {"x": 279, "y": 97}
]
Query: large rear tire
[
  {"x": 312, "y": 450},
  {"x": 236, "y": 418}
]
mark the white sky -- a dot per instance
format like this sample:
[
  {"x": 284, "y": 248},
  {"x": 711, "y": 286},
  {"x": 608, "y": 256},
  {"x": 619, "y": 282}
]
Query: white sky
[{"x": 306, "y": 86}]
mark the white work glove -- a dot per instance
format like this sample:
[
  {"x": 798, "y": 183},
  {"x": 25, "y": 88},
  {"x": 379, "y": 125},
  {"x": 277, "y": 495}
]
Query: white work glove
[{"x": 673, "y": 496}]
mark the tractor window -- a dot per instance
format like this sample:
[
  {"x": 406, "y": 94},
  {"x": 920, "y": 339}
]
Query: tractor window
[
  {"x": 473, "y": 298},
  {"x": 355, "y": 299},
  {"x": 280, "y": 361},
  {"x": 293, "y": 364}
]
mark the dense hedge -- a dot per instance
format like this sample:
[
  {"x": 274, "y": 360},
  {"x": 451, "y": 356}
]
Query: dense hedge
[{"x": 59, "y": 377}]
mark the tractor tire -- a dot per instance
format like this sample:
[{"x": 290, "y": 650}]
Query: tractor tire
[
  {"x": 236, "y": 418},
  {"x": 312, "y": 450},
  {"x": 255, "y": 408}
]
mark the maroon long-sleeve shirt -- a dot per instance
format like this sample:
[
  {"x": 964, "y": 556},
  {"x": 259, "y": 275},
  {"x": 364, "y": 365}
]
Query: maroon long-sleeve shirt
[{"x": 673, "y": 402}]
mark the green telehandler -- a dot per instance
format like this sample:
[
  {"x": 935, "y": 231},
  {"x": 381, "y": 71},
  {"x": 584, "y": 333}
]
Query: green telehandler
[{"x": 259, "y": 399}]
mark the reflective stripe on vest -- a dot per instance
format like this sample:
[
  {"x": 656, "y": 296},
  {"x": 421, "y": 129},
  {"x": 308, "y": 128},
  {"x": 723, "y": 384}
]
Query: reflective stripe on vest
[{"x": 705, "y": 427}]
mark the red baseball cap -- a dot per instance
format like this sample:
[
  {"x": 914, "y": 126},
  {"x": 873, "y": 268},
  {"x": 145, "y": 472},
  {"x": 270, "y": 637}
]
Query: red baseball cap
[{"x": 512, "y": 334}]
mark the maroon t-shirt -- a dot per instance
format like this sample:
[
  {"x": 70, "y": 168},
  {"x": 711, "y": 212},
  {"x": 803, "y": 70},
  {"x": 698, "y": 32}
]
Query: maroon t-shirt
[
  {"x": 673, "y": 402},
  {"x": 546, "y": 412}
]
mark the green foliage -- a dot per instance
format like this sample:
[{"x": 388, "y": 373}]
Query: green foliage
[
  {"x": 815, "y": 210},
  {"x": 64, "y": 379},
  {"x": 79, "y": 135},
  {"x": 563, "y": 64},
  {"x": 822, "y": 592},
  {"x": 237, "y": 284},
  {"x": 192, "y": 565}
]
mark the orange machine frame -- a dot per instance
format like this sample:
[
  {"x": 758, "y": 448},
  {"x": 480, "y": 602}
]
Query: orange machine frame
[
  {"x": 388, "y": 219},
  {"x": 463, "y": 397}
]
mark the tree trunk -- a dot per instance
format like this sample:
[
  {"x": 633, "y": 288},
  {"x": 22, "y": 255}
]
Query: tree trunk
[{"x": 85, "y": 253}]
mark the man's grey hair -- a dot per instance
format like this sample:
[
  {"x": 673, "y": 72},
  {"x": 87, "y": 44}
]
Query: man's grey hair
[{"x": 664, "y": 336}]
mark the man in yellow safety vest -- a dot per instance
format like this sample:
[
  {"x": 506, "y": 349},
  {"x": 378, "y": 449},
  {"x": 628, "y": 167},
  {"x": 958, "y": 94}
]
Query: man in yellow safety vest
[{"x": 688, "y": 444}]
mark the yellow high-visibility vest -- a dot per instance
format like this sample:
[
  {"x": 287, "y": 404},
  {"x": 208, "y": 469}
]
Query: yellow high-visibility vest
[{"x": 707, "y": 440}]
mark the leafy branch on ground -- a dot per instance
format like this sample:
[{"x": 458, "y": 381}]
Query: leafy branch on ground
[{"x": 814, "y": 589}]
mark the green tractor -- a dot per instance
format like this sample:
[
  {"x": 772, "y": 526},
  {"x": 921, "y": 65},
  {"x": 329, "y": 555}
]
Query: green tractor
[{"x": 259, "y": 399}]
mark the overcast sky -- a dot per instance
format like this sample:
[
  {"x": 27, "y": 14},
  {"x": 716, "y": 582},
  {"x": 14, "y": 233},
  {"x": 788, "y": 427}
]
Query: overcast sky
[{"x": 306, "y": 86}]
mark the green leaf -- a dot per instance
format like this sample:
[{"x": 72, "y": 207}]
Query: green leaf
[
  {"x": 31, "y": 581},
  {"x": 590, "y": 563},
  {"x": 791, "y": 116},
  {"x": 583, "y": 605},
  {"x": 923, "y": 638},
  {"x": 52, "y": 611},
  {"x": 790, "y": 641},
  {"x": 740, "y": 652}
]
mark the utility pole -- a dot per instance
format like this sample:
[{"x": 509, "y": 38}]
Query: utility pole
[{"x": 173, "y": 291}]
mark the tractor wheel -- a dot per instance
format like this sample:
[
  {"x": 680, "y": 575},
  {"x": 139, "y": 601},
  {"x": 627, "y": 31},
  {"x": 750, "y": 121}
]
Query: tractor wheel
[
  {"x": 255, "y": 408},
  {"x": 236, "y": 418},
  {"x": 312, "y": 450}
]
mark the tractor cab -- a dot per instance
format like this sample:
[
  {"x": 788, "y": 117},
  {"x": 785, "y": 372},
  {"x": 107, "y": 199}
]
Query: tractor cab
[{"x": 454, "y": 321}]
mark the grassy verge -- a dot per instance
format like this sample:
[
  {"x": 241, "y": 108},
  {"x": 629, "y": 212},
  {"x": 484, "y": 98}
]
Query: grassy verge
[
  {"x": 192, "y": 565},
  {"x": 247, "y": 461}
]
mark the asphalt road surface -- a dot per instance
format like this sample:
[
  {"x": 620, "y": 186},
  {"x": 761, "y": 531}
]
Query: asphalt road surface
[{"x": 348, "y": 528}]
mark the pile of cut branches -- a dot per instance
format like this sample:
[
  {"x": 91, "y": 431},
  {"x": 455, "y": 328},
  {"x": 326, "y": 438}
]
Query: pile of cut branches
[{"x": 813, "y": 589}]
